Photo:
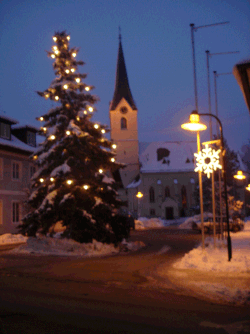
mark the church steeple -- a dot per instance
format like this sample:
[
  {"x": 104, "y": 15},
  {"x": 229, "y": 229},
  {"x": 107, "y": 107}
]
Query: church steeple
[{"x": 122, "y": 89}]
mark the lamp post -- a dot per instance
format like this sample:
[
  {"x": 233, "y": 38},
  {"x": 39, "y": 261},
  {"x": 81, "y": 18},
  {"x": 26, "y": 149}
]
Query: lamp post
[
  {"x": 138, "y": 195},
  {"x": 191, "y": 126}
]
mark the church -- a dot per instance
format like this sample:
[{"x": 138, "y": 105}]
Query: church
[{"x": 159, "y": 178}]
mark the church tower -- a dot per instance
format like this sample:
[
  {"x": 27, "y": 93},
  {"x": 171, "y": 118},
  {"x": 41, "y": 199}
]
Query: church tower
[{"x": 123, "y": 122}]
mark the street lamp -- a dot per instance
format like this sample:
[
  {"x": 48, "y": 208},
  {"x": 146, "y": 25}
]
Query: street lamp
[
  {"x": 139, "y": 195},
  {"x": 192, "y": 126},
  {"x": 195, "y": 125},
  {"x": 240, "y": 175}
]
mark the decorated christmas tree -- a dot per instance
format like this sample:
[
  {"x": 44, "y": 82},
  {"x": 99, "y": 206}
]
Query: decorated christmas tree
[{"x": 73, "y": 183}]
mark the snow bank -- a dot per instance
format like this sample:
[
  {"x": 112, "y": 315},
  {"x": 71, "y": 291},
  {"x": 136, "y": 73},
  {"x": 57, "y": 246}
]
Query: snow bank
[
  {"x": 8, "y": 238},
  {"x": 187, "y": 224},
  {"x": 145, "y": 223}
]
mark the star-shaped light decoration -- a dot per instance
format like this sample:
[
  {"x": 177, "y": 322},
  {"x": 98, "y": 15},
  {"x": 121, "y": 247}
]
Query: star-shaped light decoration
[{"x": 207, "y": 160}]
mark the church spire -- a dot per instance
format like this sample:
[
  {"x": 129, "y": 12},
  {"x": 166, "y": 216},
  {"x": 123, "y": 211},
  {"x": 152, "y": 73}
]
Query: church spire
[{"x": 121, "y": 82}]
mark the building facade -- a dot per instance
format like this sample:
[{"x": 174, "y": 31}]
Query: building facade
[{"x": 16, "y": 170}]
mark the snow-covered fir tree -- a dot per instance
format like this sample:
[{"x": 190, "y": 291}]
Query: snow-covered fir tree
[{"x": 73, "y": 183}]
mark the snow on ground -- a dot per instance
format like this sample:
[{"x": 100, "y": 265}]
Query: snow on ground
[
  {"x": 143, "y": 223},
  {"x": 9, "y": 238}
]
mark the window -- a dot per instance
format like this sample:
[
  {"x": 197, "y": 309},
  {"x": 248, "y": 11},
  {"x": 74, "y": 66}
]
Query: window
[
  {"x": 15, "y": 212},
  {"x": 151, "y": 195},
  {"x": 152, "y": 212},
  {"x": 32, "y": 171},
  {"x": 184, "y": 197},
  {"x": 123, "y": 123},
  {"x": 167, "y": 192},
  {"x": 31, "y": 138},
  {"x": 192, "y": 180},
  {"x": 162, "y": 153},
  {"x": 175, "y": 181},
  {"x": 5, "y": 130},
  {"x": 16, "y": 170}
]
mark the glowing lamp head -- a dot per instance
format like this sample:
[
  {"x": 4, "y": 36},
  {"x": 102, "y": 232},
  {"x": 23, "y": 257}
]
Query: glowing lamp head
[
  {"x": 194, "y": 124},
  {"x": 139, "y": 194},
  {"x": 248, "y": 187},
  {"x": 239, "y": 175}
]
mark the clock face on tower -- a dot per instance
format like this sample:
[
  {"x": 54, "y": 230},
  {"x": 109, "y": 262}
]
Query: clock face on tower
[{"x": 123, "y": 110}]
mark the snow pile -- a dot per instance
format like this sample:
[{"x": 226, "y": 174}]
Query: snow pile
[
  {"x": 187, "y": 224},
  {"x": 145, "y": 223},
  {"x": 8, "y": 238},
  {"x": 216, "y": 259}
]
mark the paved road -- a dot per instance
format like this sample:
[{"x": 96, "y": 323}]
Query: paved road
[{"x": 116, "y": 294}]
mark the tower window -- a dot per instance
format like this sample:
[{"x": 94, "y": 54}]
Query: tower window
[
  {"x": 167, "y": 192},
  {"x": 123, "y": 123}
]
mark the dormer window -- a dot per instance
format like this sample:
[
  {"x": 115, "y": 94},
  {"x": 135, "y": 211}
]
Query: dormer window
[
  {"x": 5, "y": 130},
  {"x": 31, "y": 138}
]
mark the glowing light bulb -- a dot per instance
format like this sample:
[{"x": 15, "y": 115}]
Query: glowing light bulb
[
  {"x": 41, "y": 180},
  {"x": 52, "y": 56},
  {"x": 44, "y": 129},
  {"x": 72, "y": 69},
  {"x": 57, "y": 52},
  {"x": 67, "y": 71},
  {"x": 46, "y": 96},
  {"x": 65, "y": 86},
  {"x": 78, "y": 118},
  {"x": 52, "y": 137},
  {"x": 96, "y": 126},
  {"x": 54, "y": 38},
  {"x": 78, "y": 80},
  {"x": 69, "y": 182},
  {"x": 35, "y": 157},
  {"x": 52, "y": 179},
  {"x": 54, "y": 47},
  {"x": 85, "y": 112},
  {"x": 114, "y": 146},
  {"x": 100, "y": 171},
  {"x": 91, "y": 109},
  {"x": 74, "y": 54},
  {"x": 87, "y": 88},
  {"x": 85, "y": 187},
  {"x": 112, "y": 159},
  {"x": 68, "y": 132},
  {"x": 41, "y": 118},
  {"x": 56, "y": 98},
  {"x": 103, "y": 131},
  {"x": 68, "y": 37}
]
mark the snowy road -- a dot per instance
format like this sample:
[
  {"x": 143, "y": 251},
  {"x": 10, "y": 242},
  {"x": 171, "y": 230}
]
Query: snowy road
[{"x": 115, "y": 294}]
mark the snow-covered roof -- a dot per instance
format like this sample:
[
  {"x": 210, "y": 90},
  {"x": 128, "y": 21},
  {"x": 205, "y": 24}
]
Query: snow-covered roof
[
  {"x": 168, "y": 157},
  {"x": 16, "y": 143},
  {"x": 18, "y": 127},
  {"x": 11, "y": 120}
]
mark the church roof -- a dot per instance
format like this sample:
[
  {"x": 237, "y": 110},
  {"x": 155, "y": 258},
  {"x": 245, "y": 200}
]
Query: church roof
[
  {"x": 121, "y": 82},
  {"x": 158, "y": 157}
]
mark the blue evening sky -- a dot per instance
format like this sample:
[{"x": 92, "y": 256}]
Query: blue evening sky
[{"x": 156, "y": 41}]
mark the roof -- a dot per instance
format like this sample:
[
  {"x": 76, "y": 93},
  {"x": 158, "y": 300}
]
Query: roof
[
  {"x": 9, "y": 119},
  {"x": 168, "y": 157},
  {"x": 16, "y": 144},
  {"x": 121, "y": 82},
  {"x": 28, "y": 127},
  {"x": 241, "y": 72}
]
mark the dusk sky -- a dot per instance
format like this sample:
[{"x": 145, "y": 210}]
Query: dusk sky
[{"x": 156, "y": 42}]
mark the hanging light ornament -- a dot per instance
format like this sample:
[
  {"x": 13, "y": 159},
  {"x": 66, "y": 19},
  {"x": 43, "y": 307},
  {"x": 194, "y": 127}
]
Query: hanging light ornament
[{"x": 208, "y": 160}]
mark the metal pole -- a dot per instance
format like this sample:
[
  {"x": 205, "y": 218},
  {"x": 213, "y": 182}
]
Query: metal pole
[
  {"x": 194, "y": 66},
  {"x": 201, "y": 195},
  {"x": 229, "y": 244}
]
